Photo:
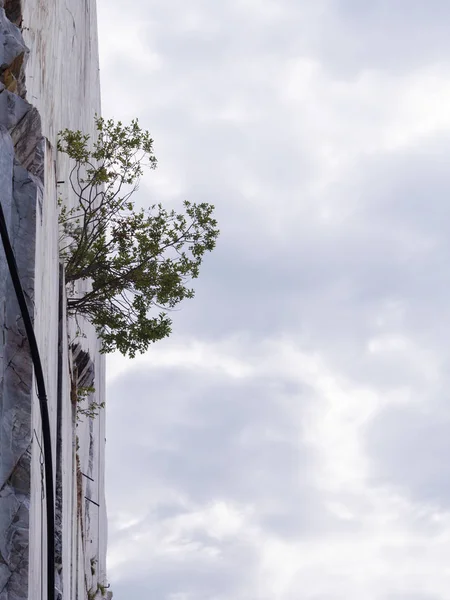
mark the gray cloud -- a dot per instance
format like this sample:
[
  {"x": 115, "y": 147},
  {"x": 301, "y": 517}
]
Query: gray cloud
[
  {"x": 408, "y": 445},
  {"x": 317, "y": 130},
  {"x": 192, "y": 578},
  {"x": 351, "y": 36},
  {"x": 199, "y": 436},
  {"x": 412, "y": 596}
]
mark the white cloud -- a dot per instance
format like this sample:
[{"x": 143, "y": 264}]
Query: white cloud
[
  {"x": 374, "y": 112},
  {"x": 287, "y": 442}
]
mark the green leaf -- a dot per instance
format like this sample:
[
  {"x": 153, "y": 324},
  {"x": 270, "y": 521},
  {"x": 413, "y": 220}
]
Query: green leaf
[{"x": 139, "y": 262}]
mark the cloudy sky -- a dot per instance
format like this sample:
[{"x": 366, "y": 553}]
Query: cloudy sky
[{"x": 291, "y": 440}]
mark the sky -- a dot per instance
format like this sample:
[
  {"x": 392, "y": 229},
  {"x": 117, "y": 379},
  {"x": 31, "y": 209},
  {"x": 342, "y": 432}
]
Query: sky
[{"x": 290, "y": 440}]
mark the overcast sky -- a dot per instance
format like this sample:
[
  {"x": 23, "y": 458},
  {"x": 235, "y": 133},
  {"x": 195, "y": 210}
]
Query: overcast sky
[{"x": 291, "y": 440}]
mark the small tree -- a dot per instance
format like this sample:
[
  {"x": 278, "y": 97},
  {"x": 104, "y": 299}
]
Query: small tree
[{"x": 136, "y": 260}]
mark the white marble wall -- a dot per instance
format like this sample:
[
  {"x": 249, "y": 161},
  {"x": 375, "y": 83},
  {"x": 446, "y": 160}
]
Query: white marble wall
[{"x": 62, "y": 81}]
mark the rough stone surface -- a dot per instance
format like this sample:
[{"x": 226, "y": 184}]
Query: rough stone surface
[
  {"x": 13, "y": 10},
  {"x": 12, "y": 109},
  {"x": 12, "y": 42},
  {"x": 83, "y": 366},
  {"x": 16, "y": 390},
  {"x": 28, "y": 142},
  {"x": 63, "y": 92},
  {"x": 6, "y": 168},
  {"x": 20, "y": 191}
]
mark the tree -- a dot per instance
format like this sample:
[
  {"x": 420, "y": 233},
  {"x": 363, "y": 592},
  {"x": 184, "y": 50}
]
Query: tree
[{"x": 137, "y": 261}]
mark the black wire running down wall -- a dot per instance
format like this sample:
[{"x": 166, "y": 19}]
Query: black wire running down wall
[{"x": 34, "y": 351}]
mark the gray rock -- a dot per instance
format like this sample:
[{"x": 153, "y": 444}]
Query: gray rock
[
  {"x": 6, "y": 167},
  {"x": 13, "y": 10},
  {"x": 84, "y": 366},
  {"x": 11, "y": 41},
  {"x": 21, "y": 184},
  {"x": 29, "y": 143},
  {"x": 12, "y": 109},
  {"x": 27, "y": 192},
  {"x": 21, "y": 193}
]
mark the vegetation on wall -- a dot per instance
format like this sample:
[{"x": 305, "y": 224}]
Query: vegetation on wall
[{"x": 138, "y": 263}]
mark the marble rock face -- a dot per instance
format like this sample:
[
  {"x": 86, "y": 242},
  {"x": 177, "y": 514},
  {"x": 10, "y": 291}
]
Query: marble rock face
[
  {"x": 13, "y": 47},
  {"x": 64, "y": 92},
  {"x": 28, "y": 142},
  {"x": 19, "y": 195},
  {"x": 12, "y": 108},
  {"x": 13, "y": 8}
]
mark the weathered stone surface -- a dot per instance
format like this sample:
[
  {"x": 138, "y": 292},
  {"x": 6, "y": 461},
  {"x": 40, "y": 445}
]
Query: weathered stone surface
[
  {"x": 66, "y": 94},
  {"x": 14, "y": 511},
  {"x": 13, "y": 10},
  {"x": 85, "y": 368},
  {"x": 16, "y": 376},
  {"x": 27, "y": 190},
  {"x": 20, "y": 191},
  {"x": 12, "y": 376},
  {"x": 29, "y": 143},
  {"x": 12, "y": 109},
  {"x": 11, "y": 41},
  {"x": 19, "y": 196},
  {"x": 6, "y": 166}
]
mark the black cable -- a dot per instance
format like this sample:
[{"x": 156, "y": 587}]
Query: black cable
[{"x": 34, "y": 351}]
